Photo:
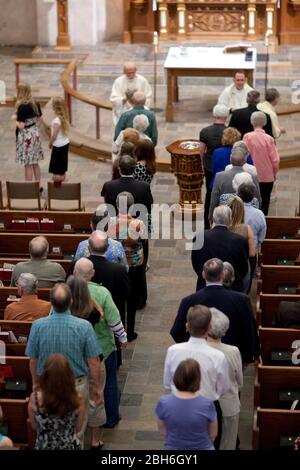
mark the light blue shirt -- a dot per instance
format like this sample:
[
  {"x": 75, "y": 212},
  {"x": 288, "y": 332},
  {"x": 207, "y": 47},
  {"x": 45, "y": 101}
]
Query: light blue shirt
[
  {"x": 257, "y": 221},
  {"x": 63, "y": 333}
]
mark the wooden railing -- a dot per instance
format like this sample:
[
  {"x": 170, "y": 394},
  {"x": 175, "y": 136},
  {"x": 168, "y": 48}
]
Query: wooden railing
[{"x": 70, "y": 91}]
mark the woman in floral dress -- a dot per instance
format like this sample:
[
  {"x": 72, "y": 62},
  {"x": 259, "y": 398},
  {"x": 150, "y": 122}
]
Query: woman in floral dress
[{"x": 29, "y": 147}]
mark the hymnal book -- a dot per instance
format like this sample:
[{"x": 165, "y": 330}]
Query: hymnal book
[
  {"x": 240, "y": 47},
  {"x": 32, "y": 224},
  {"x": 47, "y": 225},
  {"x": 17, "y": 225},
  {"x": 5, "y": 274}
]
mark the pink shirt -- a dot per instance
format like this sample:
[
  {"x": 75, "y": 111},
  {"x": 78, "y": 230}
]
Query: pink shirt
[{"x": 264, "y": 154}]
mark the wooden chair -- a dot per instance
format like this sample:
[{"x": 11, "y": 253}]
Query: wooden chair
[
  {"x": 67, "y": 197},
  {"x": 27, "y": 193}
]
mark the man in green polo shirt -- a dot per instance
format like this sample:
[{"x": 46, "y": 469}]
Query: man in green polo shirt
[
  {"x": 109, "y": 327},
  {"x": 126, "y": 119}
]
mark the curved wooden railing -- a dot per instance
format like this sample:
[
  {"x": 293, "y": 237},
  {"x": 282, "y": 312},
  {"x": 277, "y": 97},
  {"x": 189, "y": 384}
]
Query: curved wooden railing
[{"x": 70, "y": 91}]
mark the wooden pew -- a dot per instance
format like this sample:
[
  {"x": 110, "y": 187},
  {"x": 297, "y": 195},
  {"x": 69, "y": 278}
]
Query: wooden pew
[
  {"x": 282, "y": 227},
  {"x": 276, "y": 387},
  {"x": 15, "y": 414},
  {"x": 276, "y": 251},
  {"x": 15, "y": 245},
  {"x": 5, "y": 292},
  {"x": 19, "y": 328},
  {"x": 274, "y": 429},
  {"x": 278, "y": 279},
  {"x": 79, "y": 221},
  {"x": 276, "y": 346},
  {"x": 20, "y": 368},
  {"x": 268, "y": 306}
]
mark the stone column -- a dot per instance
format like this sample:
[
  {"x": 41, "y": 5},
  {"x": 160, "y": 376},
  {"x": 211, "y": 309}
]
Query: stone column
[
  {"x": 63, "y": 37},
  {"x": 251, "y": 20},
  {"x": 163, "y": 19},
  {"x": 181, "y": 10},
  {"x": 270, "y": 19}
]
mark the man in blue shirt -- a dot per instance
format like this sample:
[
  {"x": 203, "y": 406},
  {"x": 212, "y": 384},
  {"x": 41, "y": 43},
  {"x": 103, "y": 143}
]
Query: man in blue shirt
[
  {"x": 254, "y": 217},
  {"x": 74, "y": 337}
]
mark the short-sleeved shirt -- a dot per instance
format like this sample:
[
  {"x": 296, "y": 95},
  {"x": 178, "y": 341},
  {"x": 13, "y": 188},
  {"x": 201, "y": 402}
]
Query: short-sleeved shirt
[
  {"x": 211, "y": 136},
  {"x": 48, "y": 273},
  {"x": 111, "y": 316},
  {"x": 114, "y": 253},
  {"x": 63, "y": 333},
  {"x": 129, "y": 232},
  {"x": 187, "y": 422},
  {"x": 61, "y": 139},
  {"x": 27, "y": 111}
]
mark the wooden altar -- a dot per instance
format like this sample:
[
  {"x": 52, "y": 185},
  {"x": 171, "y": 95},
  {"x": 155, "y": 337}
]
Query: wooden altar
[{"x": 200, "y": 19}]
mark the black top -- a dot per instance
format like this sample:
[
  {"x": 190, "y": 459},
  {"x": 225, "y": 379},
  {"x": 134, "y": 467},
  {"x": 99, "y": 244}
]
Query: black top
[
  {"x": 26, "y": 111},
  {"x": 220, "y": 243},
  {"x": 211, "y": 136},
  {"x": 240, "y": 119},
  {"x": 242, "y": 331}
]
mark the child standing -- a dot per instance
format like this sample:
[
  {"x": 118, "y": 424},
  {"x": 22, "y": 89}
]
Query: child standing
[{"x": 59, "y": 141}]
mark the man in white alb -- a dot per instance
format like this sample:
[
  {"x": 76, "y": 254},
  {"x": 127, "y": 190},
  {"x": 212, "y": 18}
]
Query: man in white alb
[
  {"x": 130, "y": 80},
  {"x": 235, "y": 95}
]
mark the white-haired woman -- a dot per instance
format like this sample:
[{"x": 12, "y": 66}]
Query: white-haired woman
[
  {"x": 141, "y": 124},
  {"x": 265, "y": 156},
  {"x": 230, "y": 402},
  {"x": 249, "y": 165}
]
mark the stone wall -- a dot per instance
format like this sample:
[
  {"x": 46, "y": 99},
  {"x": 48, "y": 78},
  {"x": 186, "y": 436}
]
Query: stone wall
[{"x": 18, "y": 22}]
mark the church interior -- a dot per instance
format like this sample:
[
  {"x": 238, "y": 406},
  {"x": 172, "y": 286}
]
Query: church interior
[{"x": 75, "y": 53}]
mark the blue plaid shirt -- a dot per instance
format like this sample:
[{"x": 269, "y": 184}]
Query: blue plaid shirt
[
  {"x": 114, "y": 253},
  {"x": 63, "y": 333}
]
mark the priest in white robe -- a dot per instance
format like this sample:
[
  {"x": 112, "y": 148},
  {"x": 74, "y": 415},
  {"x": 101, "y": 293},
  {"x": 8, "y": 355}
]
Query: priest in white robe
[
  {"x": 132, "y": 81},
  {"x": 235, "y": 95}
]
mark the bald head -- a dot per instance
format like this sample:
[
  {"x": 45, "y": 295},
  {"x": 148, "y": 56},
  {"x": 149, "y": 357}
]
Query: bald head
[
  {"x": 129, "y": 70},
  {"x": 38, "y": 248},
  {"x": 98, "y": 243},
  {"x": 84, "y": 268},
  {"x": 139, "y": 98},
  {"x": 61, "y": 298}
]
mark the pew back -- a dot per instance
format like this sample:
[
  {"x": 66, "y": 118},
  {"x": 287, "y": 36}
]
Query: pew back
[
  {"x": 269, "y": 305},
  {"x": 277, "y": 345}
]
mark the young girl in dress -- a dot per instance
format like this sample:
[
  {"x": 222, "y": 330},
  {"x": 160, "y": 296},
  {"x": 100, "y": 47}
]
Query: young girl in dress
[
  {"x": 29, "y": 148},
  {"x": 59, "y": 141},
  {"x": 56, "y": 411}
]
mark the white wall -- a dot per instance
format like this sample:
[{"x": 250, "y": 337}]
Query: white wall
[{"x": 18, "y": 22}]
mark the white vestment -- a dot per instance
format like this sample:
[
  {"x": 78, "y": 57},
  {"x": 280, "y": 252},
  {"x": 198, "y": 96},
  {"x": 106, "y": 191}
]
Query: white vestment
[
  {"x": 234, "y": 98},
  {"x": 120, "y": 86}
]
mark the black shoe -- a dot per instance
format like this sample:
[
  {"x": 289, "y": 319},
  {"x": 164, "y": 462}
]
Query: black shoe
[
  {"x": 97, "y": 447},
  {"x": 131, "y": 336},
  {"x": 41, "y": 189}
]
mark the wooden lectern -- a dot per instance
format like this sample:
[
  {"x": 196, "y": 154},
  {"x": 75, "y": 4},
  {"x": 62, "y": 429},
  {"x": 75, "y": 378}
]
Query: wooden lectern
[{"x": 63, "y": 38}]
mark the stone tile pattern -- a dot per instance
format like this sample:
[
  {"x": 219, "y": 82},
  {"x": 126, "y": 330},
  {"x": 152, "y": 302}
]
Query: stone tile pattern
[{"x": 170, "y": 276}]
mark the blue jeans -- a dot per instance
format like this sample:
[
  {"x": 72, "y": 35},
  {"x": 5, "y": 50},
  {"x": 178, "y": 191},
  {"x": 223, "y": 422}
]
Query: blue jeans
[{"x": 111, "y": 391}]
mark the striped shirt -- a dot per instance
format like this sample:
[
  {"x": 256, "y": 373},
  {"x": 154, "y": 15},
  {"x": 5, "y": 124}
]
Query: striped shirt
[{"x": 63, "y": 333}]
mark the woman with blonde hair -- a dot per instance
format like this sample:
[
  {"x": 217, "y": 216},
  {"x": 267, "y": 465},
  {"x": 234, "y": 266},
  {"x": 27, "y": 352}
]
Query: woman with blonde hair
[
  {"x": 221, "y": 155},
  {"x": 59, "y": 141},
  {"x": 237, "y": 223},
  {"x": 29, "y": 147}
]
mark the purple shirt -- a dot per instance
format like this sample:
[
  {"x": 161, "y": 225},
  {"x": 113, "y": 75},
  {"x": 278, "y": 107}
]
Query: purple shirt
[{"x": 186, "y": 421}]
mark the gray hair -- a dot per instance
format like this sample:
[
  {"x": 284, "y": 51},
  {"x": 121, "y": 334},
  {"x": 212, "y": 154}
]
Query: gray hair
[
  {"x": 28, "y": 283},
  {"x": 220, "y": 111},
  {"x": 213, "y": 270},
  {"x": 222, "y": 216},
  {"x": 140, "y": 122},
  {"x": 238, "y": 157},
  {"x": 219, "y": 324},
  {"x": 240, "y": 144},
  {"x": 241, "y": 178},
  {"x": 272, "y": 94},
  {"x": 139, "y": 98},
  {"x": 258, "y": 119},
  {"x": 228, "y": 272},
  {"x": 39, "y": 247},
  {"x": 84, "y": 268}
]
